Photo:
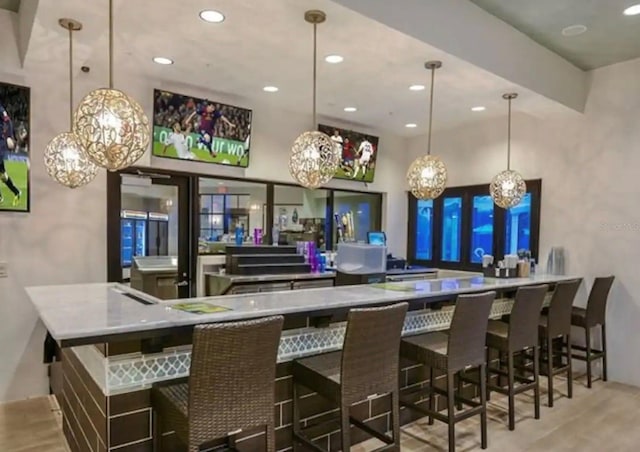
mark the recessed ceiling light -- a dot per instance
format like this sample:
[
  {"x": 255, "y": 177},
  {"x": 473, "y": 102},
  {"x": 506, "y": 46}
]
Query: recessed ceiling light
[
  {"x": 350, "y": 109},
  {"x": 212, "y": 16},
  {"x": 334, "y": 59},
  {"x": 411, "y": 125},
  {"x": 478, "y": 108},
  {"x": 574, "y": 30},
  {"x": 416, "y": 87},
  {"x": 270, "y": 89},
  {"x": 633, "y": 10},
  {"x": 162, "y": 60}
]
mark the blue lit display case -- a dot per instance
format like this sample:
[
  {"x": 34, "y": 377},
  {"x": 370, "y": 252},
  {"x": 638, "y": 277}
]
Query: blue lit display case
[{"x": 133, "y": 236}]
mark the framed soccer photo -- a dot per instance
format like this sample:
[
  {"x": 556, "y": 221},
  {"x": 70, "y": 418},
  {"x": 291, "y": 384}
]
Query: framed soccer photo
[
  {"x": 201, "y": 130},
  {"x": 14, "y": 147},
  {"x": 359, "y": 153}
]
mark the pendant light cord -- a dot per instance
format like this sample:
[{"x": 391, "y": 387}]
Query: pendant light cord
[
  {"x": 315, "y": 75},
  {"x": 509, "y": 137},
  {"x": 110, "y": 44},
  {"x": 70, "y": 77},
  {"x": 433, "y": 77}
]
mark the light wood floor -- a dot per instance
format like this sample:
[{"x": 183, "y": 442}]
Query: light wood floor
[
  {"x": 32, "y": 425},
  {"x": 604, "y": 418}
]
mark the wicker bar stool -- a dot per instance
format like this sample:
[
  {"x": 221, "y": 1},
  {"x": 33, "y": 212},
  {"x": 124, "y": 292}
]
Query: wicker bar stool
[
  {"x": 589, "y": 318},
  {"x": 231, "y": 386},
  {"x": 367, "y": 366},
  {"x": 462, "y": 348},
  {"x": 518, "y": 335},
  {"x": 556, "y": 324}
]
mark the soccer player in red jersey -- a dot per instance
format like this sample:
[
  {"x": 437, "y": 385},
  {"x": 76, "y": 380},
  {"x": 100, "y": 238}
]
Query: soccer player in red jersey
[{"x": 209, "y": 116}]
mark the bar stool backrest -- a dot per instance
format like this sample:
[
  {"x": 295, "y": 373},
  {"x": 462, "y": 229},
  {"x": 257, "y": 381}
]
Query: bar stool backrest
[
  {"x": 232, "y": 377},
  {"x": 560, "y": 307},
  {"x": 370, "y": 355},
  {"x": 525, "y": 317},
  {"x": 597, "y": 302},
  {"x": 468, "y": 331}
]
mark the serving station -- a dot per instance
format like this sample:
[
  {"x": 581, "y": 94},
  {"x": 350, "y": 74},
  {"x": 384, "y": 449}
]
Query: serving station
[{"x": 116, "y": 342}]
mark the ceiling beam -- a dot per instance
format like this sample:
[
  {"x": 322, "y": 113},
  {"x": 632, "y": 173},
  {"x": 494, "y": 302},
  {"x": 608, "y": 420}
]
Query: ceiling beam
[
  {"x": 465, "y": 31},
  {"x": 26, "y": 21}
]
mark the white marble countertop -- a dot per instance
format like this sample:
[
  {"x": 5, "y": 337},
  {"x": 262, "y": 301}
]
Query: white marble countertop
[{"x": 84, "y": 311}]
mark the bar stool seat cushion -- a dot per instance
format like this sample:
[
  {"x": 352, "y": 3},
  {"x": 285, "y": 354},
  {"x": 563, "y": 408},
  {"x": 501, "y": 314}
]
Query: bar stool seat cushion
[
  {"x": 321, "y": 373},
  {"x": 173, "y": 401},
  {"x": 498, "y": 335},
  {"x": 429, "y": 349},
  {"x": 579, "y": 317}
]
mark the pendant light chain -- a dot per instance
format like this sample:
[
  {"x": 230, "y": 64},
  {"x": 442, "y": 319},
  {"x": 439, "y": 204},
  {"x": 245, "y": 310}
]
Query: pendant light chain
[
  {"x": 433, "y": 78},
  {"x": 509, "y": 137},
  {"x": 70, "y": 78},
  {"x": 315, "y": 74},
  {"x": 110, "y": 44}
]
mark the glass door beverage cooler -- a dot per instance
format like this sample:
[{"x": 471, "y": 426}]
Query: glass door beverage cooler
[
  {"x": 158, "y": 237},
  {"x": 133, "y": 226}
]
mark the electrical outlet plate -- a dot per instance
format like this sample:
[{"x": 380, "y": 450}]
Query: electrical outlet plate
[{"x": 4, "y": 270}]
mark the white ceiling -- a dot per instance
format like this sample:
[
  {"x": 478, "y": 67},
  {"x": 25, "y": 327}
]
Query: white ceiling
[
  {"x": 611, "y": 37},
  {"x": 268, "y": 43}
]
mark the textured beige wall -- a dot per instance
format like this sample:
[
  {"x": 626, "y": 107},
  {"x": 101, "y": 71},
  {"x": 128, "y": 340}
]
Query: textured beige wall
[{"x": 590, "y": 169}]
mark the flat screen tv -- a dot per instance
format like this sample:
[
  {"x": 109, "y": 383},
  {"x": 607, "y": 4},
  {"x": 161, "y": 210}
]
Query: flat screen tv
[
  {"x": 201, "y": 130},
  {"x": 15, "y": 152},
  {"x": 359, "y": 153}
]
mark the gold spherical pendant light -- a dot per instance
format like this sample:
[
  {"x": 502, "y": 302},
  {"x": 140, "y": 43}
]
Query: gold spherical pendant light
[
  {"x": 508, "y": 187},
  {"x": 64, "y": 157},
  {"x": 112, "y": 126},
  {"x": 427, "y": 175},
  {"x": 314, "y": 158}
]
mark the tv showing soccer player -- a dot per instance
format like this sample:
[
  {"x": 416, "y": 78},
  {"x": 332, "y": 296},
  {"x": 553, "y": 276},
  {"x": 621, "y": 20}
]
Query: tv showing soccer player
[
  {"x": 202, "y": 130},
  {"x": 14, "y": 147},
  {"x": 358, "y": 150}
]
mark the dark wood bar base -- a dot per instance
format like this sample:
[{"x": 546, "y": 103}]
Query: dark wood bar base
[{"x": 94, "y": 422}]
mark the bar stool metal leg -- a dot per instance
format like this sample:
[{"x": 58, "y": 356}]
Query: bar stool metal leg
[
  {"x": 483, "y": 402},
  {"x": 460, "y": 386},
  {"x": 512, "y": 404},
  {"x": 536, "y": 377},
  {"x": 569, "y": 368},
  {"x": 587, "y": 339},
  {"x": 451, "y": 411},
  {"x": 604, "y": 352},
  {"x": 549, "y": 369},
  {"x": 488, "y": 360},
  {"x": 432, "y": 399}
]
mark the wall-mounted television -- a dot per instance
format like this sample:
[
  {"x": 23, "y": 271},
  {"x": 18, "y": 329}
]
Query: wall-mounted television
[
  {"x": 15, "y": 129},
  {"x": 201, "y": 130},
  {"x": 359, "y": 153}
]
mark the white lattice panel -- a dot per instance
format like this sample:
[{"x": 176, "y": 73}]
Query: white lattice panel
[
  {"x": 139, "y": 371},
  {"x": 143, "y": 370}
]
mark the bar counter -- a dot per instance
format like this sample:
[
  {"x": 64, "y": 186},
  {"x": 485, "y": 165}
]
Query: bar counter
[
  {"x": 116, "y": 343},
  {"x": 89, "y": 313}
]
